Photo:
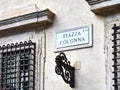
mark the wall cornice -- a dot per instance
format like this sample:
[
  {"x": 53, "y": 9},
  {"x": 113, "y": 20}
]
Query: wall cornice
[
  {"x": 104, "y": 7},
  {"x": 34, "y": 19}
]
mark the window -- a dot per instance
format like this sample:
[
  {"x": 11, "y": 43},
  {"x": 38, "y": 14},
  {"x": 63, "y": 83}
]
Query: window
[
  {"x": 17, "y": 66},
  {"x": 116, "y": 54}
]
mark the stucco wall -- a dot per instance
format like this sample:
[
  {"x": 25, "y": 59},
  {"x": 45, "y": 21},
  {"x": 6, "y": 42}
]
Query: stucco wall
[
  {"x": 13, "y": 4},
  {"x": 69, "y": 14}
]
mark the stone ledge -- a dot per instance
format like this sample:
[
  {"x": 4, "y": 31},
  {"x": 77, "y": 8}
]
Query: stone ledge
[
  {"x": 34, "y": 19},
  {"x": 92, "y": 2},
  {"x": 106, "y": 8}
]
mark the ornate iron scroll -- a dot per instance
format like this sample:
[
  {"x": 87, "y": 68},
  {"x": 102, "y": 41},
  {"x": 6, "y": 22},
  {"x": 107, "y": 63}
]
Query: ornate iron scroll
[{"x": 64, "y": 69}]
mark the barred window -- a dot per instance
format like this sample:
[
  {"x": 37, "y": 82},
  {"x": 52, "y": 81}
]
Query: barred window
[
  {"x": 116, "y": 56},
  {"x": 17, "y": 66}
]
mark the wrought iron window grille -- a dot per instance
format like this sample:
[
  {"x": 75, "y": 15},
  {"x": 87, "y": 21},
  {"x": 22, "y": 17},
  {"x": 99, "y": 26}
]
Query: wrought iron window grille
[
  {"x": 116, "y": 56},
  {"x": 64, "y": 69},
  {"x": 17, "y": 66}
]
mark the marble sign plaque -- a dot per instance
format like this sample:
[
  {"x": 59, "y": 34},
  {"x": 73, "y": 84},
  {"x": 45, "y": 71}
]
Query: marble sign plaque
[{"x": 79, "y": 37}]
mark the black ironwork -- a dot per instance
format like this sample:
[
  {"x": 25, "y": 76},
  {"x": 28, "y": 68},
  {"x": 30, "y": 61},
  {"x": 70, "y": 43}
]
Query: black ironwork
[
  {"x": 64, "y": 69},
  {"x": 17, "y": 66},
  {"x": 116, "y": 54}
]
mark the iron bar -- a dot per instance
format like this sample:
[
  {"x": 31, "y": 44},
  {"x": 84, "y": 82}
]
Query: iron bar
[
  {"x": 17, "y": 66},
  {"x": 116, "y": 54}
]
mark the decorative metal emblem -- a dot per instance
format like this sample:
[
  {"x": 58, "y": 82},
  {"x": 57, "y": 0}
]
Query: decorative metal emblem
[{"x": 64, "y": 69}]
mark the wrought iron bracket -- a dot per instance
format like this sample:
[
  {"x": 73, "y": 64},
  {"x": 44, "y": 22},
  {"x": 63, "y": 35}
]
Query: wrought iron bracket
[{"x": 64, "y": 69}]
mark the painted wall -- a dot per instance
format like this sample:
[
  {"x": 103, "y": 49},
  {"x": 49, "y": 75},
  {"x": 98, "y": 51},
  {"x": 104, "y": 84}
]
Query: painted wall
[{"x": 69, "y": 14}]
